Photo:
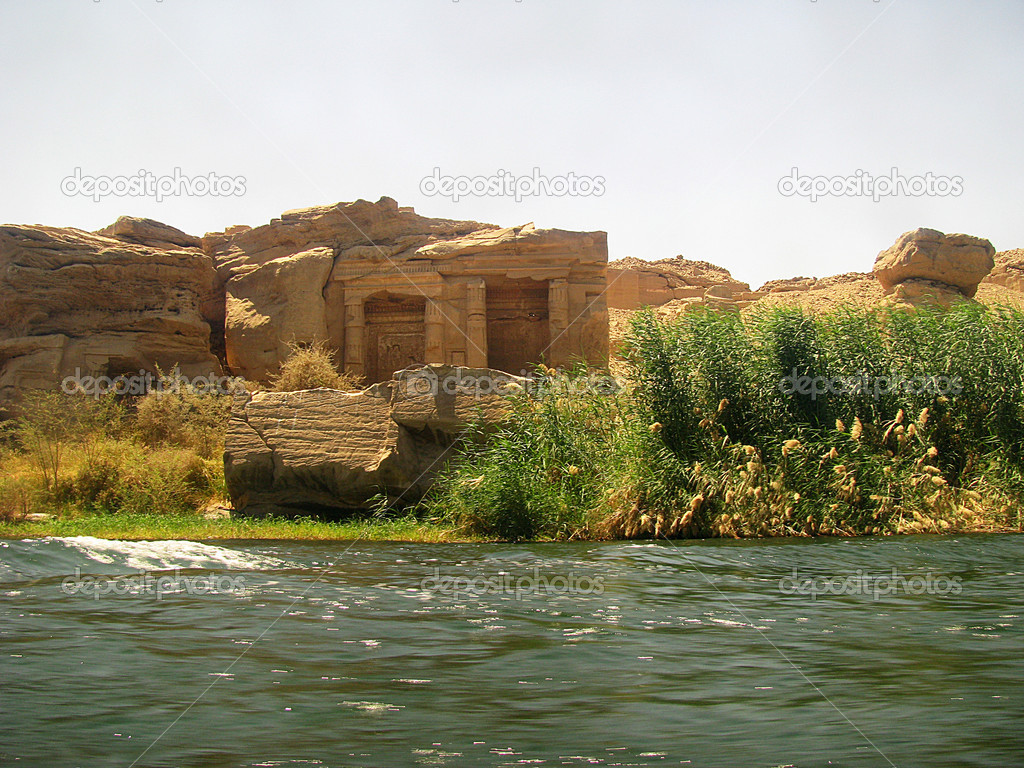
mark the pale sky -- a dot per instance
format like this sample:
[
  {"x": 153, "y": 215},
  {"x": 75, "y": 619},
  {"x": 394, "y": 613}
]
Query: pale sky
[{"x": 689, "y": 111}]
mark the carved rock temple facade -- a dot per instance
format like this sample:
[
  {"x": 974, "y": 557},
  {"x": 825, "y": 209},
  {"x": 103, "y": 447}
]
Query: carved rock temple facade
[
  {"x": 383, "y": 287},
  {"x": 480, "y": 313},
  {"x": 426, "y": 291}
]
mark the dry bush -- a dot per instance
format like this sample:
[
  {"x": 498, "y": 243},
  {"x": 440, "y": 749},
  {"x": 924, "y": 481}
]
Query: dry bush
[
  {"x": 15, "y": 498},
  {"x": 49, "y": 422},
  {"x": 312, "y": 366},
  {"x": 184, "y": 418},
  {"x": 129, "y": 477}
]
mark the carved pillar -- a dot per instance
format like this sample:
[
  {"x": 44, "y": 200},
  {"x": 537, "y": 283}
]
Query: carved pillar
[
  {"x": 558, "y": 320},
  {"x": 476, "y": 324},
  {"x": 433, "y": 327},
  {"x": 355, "y": 332}
]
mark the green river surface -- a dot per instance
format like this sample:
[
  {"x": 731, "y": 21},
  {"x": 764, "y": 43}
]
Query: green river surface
[{"x": 897, "y": 651}]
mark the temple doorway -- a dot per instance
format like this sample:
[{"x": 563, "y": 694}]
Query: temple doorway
[
  {"x": 518, "y": 333},
  {"x": 395, "y": 334}
]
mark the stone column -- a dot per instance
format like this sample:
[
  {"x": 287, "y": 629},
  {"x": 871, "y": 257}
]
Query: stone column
[
  {"x": 558, "y": 320},
  {"x": 355, "y": 331},
  {"x": 476, "y": 324},
  {"x": 433, "y": 327}
]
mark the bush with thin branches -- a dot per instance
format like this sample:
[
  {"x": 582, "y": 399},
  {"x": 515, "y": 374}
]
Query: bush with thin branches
[{"x": 312, "y": 366}]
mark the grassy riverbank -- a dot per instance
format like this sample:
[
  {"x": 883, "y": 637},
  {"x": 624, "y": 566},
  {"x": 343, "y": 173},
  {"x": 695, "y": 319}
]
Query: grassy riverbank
[
  {"x": 194, "y": 527},
  {"x": 69, "y": 456},
  {"x": 774, "y": 424},
  {"x": 80, "y": 466},
  {"x": 777, "y": 423}
]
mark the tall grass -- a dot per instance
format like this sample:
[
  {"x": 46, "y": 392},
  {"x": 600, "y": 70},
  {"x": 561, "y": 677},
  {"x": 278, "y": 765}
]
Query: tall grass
[
  {"x": 160, "y": 454},
  {"x": 534, "y": 476},
  {"x": 183, "y": 418},
  {"x": 717, "y": 437}
]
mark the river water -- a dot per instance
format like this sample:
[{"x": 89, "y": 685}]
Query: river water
[{"x": 904, "y": 651}]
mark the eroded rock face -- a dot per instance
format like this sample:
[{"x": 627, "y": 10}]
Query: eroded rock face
[
  {"x": 634, "y": 283},
  {"x": 1009, "y": 270},
  {"x": 321, "y": 449},
  {"x": 960, "y": 261},
  {"x": 384, "y": 287},
  {"x": 77, "y": 301},
  {"x": 155, "y": 234},
  {"x": 387, "y": 288},
  {"x": 917, "y": 291},
  {"x": 671, "y": 287},
  {"x": 279, "y": 301},
  {"x": 814, "y": 283}
]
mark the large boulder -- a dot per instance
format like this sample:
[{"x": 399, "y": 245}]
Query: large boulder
[
  {"x": 960, "y": 261},
  {"x": 74, "y": 301},
  {"x": 325, "y": 450}
]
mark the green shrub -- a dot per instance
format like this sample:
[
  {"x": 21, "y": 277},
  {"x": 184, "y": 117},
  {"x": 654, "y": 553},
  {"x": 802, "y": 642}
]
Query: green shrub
[
  {"x": 130, "y": 478},
  {"x": 75, "y": 452},
  {"x": 15, "y": 498},
  {"x": 49, "y": 422},
  {"x": 712, "y": 441},
  {"x": 536, "y": 475},
  {"x": 185, "y": 418}
]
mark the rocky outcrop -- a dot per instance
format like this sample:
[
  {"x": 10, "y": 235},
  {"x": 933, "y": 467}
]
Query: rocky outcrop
[
  {"x": 386, "y": 287},
  {"x": 354, "y": 231},
  {"x": 322, "y": 449},
  {"x": 916, "y": 291},
  {"x": 1009, "y": 270},
  {"x": 278, "y": 302},
  {"x": 814, "y": 283},
  {"x": 78, "y": 301},
  {"x": 634, "y": 283},
  {"x": 958, "y": 261},
  {"x": 382, "y": 286},
  {"x": 155, "y": 234}
]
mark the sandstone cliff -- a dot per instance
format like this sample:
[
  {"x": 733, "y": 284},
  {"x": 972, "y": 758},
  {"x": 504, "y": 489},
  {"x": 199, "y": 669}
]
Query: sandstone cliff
[
  {"x": 140, "y": 293},
  {"x": 73, "y": 300},
  {"x": 912, "y": 269},
  {"x": 384, "y": 285},
  {"x": 923, "y": 266}
]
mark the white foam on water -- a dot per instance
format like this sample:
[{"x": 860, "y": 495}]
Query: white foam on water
[
  {"x": 163, "y": 555},
  {"x": 373, "y": 707}
]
